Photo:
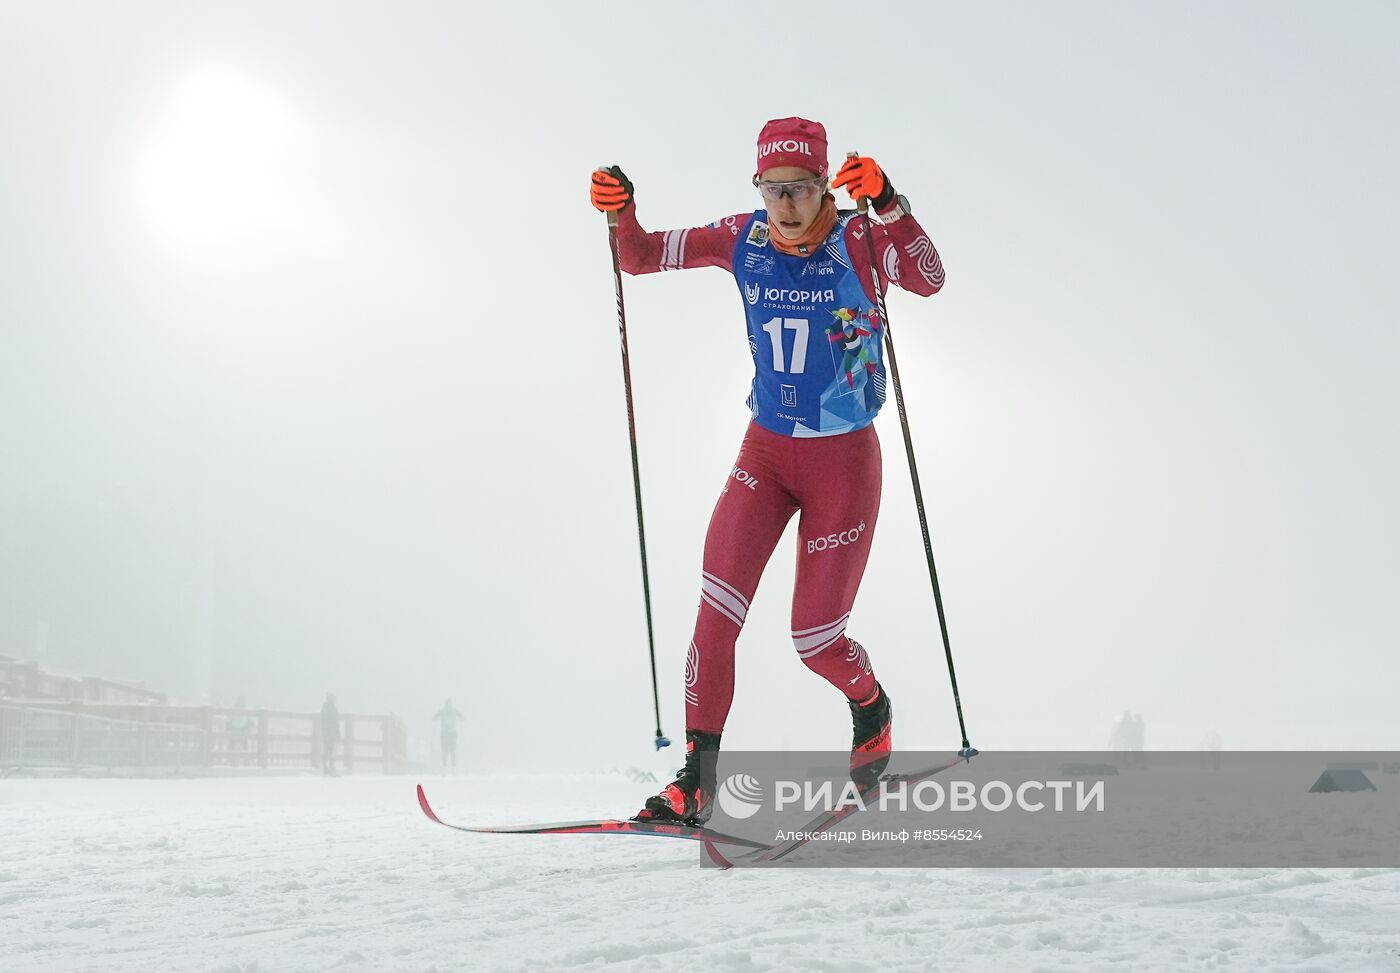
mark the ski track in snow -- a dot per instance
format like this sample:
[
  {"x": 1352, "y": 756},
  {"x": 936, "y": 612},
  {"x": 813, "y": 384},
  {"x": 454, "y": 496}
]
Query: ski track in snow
[{"x": 236, "y": 875}]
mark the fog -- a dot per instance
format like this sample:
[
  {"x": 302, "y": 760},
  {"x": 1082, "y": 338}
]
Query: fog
[{"x": 309, "y": 372}]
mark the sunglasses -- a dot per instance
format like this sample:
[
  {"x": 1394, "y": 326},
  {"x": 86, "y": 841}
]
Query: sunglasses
[{"x": 797, "y": 190}]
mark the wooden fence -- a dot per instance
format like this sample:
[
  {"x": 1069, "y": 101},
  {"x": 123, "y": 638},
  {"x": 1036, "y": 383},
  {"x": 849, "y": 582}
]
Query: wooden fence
[{"x": 120, "y": 737}]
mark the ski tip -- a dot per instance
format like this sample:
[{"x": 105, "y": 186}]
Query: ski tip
[{"x": 427, "y": 808}]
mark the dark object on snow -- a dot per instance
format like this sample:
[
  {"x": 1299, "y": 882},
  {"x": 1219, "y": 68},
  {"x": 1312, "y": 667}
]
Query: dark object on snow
[{"x": 1342, "y": 780}]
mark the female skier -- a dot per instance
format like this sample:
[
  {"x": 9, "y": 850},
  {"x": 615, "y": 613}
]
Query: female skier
[{"x": 804, "y": 273}]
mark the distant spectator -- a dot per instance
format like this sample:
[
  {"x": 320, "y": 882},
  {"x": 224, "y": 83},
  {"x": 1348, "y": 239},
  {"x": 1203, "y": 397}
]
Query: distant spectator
[
  {"x": 447, "y": 719},
  {"x": 1215, "y": 744},
  {"x": 1122, "y": 738},
  {"x": 1139, "y": 731},
  {"x": 240, "y": 728},
  {"x": 330, "y": 734},
  {"x": 1127, "y": 739}
]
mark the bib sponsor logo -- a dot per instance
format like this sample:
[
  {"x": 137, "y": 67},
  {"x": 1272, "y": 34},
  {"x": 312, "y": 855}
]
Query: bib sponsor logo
[
  {"x": 818, "y": 267},
  {"x": 758, "y": 263},
  {"x": 788, "y": 295},
  {"x": 841, "y": 539},
  {"x": 789, "y": 396},
  {"x": 758, "y": 235},
  {"x": 751, "y": 293}
]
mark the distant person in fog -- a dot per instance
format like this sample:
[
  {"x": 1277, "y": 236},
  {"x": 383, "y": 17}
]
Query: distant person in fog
[
  {"x": 240, "y": 728},
  {"x": 330, "y": 734},
  {"x": 1214, "y": 744},
  {"x": 1122, "y": 738},
  {"x": 447, "y": 719}
]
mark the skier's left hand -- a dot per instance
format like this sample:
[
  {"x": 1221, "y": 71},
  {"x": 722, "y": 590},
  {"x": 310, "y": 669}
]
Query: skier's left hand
[{"x": 862, "y": 176}]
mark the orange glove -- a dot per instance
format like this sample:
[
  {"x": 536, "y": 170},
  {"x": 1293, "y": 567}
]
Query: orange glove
[
  {"x": 611, "y": 190},
  {"x": 862, "y": 176}
]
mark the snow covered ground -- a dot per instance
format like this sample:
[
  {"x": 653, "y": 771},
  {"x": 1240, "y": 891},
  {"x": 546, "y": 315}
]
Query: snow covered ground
[{"x": 306, "y": 873}]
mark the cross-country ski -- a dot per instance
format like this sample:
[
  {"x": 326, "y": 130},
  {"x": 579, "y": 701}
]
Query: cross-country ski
[{"x": 663, "y": 829}]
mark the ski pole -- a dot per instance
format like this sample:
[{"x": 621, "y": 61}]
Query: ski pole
[
  {"x": 863, "y": 205},
  {"x": 661, "y": 740}
]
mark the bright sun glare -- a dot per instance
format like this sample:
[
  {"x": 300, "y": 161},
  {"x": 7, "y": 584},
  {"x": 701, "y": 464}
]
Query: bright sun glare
[{"x": 218, "y": 170}]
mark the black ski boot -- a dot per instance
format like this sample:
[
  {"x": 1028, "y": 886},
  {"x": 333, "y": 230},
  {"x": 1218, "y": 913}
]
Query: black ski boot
[
  {"x": 872, "y": 739},
  {"x": 689, "y": 798}
]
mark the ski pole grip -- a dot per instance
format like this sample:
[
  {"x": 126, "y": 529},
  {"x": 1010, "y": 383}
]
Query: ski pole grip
[
  {"x": 862, "y": 202},
  {"x": 610, "y": 214}
]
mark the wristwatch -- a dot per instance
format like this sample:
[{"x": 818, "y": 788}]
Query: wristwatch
[{"x": 899, "y": 210}]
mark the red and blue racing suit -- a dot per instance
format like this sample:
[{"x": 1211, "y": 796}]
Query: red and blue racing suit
[{"x": 819, "y": 380}]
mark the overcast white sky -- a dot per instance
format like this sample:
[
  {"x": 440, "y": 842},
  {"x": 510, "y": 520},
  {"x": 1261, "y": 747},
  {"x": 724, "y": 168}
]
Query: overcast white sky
[{"x": 305, "y": 319}]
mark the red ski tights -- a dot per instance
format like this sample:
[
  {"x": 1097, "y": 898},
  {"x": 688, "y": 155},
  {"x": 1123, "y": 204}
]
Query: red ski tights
[{"x": 835, "y": 482}]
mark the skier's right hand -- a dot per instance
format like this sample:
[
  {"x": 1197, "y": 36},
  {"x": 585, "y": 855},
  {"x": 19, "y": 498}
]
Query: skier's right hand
[{"x": 611, "y": 189}]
